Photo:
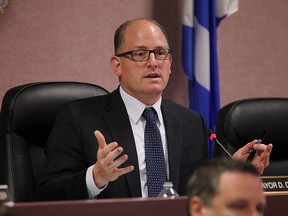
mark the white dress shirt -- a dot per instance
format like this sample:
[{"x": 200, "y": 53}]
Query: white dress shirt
[{"x": 135, "y": 109}]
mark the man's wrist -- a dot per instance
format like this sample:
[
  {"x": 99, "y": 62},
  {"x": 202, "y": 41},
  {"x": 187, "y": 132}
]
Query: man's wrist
[{"x": 99, "y": 181}]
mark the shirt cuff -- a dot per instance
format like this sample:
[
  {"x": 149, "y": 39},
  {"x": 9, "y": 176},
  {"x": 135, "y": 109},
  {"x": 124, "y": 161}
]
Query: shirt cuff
[{"x": 93, "y": 190}]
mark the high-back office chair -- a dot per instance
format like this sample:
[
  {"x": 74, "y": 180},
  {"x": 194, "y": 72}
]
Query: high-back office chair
[
  {"x": 244, "y": 120},
  {"x": 27, "y": 116}
]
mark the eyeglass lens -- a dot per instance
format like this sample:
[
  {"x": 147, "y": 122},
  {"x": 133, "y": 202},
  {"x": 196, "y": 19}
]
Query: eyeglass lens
[{"x": 143, "y": 55}]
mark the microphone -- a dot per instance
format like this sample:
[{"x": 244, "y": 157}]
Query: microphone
[{"x": 212, "y": 136}]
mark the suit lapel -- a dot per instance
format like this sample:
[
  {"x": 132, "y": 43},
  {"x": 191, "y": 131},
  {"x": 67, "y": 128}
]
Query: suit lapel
[
  {"x": 118, "y": 122},
  {"x": 174, "y": 134}
]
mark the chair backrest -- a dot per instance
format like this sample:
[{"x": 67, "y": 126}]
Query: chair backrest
[
  {"x": 244, "y": 120},
  {"x": 27, "y": 116}
]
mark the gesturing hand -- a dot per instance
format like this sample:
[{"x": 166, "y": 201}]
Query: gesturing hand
[
  {"x": 262, "y": 157},
  {"x": 106, "y": 167}
]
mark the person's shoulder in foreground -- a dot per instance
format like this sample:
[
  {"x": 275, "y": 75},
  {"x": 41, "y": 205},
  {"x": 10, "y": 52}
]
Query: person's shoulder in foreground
[{"x": 226, "y": 187}]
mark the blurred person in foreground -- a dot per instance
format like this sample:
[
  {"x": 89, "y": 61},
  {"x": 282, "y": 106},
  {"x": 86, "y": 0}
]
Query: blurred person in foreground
[{"x": 225, "y": 187}]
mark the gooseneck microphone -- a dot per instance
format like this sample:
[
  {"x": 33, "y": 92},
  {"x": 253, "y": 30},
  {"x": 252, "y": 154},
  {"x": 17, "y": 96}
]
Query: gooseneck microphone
[{"x": 212, "y": 136}]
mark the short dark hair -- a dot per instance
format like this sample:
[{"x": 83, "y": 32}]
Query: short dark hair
[
  {"x": 120, "y": 32},
  {"x": 205, "y": 180}
]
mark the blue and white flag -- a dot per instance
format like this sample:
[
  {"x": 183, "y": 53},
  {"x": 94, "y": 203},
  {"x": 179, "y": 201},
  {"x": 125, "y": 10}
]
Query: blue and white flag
[{"x": 200, "y": 54}]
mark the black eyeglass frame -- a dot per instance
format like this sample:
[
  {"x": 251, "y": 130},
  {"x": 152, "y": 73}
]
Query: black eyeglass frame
[{"x": 150, "y": 51}]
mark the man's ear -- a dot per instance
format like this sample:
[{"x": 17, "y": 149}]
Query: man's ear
[
  {"x": 116, "y": 65},
  {"x": 196, "y": 206}
]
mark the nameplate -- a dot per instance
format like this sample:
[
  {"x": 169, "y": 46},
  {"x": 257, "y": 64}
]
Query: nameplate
[{"x": 275, "y": 184}]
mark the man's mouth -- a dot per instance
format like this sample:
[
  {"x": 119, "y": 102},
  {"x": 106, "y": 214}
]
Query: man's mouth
[{"x": 153, "y": 76}]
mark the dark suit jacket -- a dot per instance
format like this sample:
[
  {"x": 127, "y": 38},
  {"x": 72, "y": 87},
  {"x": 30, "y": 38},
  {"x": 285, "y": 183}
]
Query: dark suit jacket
[{"x": 72, "y": 147}]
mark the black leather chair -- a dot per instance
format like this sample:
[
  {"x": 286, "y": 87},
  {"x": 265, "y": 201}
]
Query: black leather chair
[
  {"x": 27, "y": 116},
  {"x": 244, "y": 120}
]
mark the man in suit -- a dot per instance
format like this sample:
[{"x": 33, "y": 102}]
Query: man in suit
[
  {"x": 111, "y": 163},
  {"x": 226, "y": 187}
]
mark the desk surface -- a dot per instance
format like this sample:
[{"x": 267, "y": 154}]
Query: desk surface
[
  {"x": 277, "y": 205},
  {"x": 107, "y": 207}
]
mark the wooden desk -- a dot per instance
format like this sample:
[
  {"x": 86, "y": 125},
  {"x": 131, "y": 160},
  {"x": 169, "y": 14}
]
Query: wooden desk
[
  {"x": 277, "y": 206},
  {"x": 105, "y": 207}
]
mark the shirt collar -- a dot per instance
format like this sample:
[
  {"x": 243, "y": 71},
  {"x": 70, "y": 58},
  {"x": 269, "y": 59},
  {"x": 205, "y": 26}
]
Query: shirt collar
[{"x": 135, "y": 107}]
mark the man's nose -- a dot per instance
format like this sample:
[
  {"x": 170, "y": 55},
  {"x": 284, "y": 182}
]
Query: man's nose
[{"x": 152, "y": 59}]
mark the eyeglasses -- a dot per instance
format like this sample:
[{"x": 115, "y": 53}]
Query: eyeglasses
[{"x": 143, "y": 55}]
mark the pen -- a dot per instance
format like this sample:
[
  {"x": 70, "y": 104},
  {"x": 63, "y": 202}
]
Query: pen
[{"x": 253, "y": 152}]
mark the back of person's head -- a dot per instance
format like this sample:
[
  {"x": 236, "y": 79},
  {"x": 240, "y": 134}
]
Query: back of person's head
[{"x": 205, "y": 180}]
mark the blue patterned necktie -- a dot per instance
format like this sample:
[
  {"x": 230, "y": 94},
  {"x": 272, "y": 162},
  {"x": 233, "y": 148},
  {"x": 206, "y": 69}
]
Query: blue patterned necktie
[{"x": 154, "y": 155}]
